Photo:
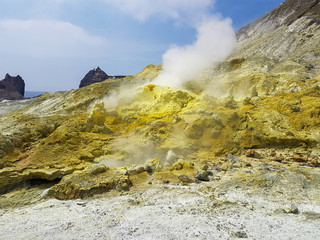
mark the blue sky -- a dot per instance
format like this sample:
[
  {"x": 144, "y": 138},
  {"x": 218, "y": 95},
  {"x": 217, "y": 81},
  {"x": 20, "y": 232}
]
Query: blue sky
[{"x": 52, "y": 44}]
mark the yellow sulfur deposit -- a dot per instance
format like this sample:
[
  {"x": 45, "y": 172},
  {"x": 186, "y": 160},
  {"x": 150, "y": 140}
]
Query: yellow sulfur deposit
[{"x": 149, "y": 133}]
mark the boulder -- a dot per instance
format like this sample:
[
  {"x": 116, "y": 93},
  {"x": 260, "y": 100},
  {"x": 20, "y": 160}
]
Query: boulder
[{"x": 203, "y": 175}]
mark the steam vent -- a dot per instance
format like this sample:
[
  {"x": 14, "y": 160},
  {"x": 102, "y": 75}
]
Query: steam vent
[{"x": 234, "y": 153}]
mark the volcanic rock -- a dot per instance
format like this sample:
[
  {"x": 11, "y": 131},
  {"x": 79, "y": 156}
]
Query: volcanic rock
[
  {"x": 202, "y": 175},
  {"x": 285, "y": 15},
  {"x": 12, "y": 88},
  {"x": 56, "y": 137},
  {"x": 95, "y": 76},
  {"x": 185, "y": 179},
  {"x": 291, "y": 30}
]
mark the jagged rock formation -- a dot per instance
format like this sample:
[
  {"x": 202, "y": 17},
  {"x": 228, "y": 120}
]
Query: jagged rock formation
[
  {"x": 12, "y": 88},
  {"x": 267, "y": 114},
  {"x": 95, "y": 76}
]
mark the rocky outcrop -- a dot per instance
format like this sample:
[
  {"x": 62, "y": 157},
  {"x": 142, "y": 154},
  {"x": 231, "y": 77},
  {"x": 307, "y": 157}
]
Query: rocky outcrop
[
  {"x": 290, "y": 31},
  {"x": 12, "y": 88},
  {"x": 95, "y": 76},
  {"x": 286, "y": 14}
]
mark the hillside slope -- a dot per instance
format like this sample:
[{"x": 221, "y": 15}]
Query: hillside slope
[{"x": 249, "y": 123}]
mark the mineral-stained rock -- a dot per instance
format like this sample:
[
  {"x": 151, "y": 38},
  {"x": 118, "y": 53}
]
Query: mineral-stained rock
[
  {"x": 96, "y": 119},
  {"x": 179, "y": 165},
  {"x": 6, "y": 146},
  {"x": 136, "y": 170},
  {"x": 96, "y": 168},
  {"x": 203, "y": 175},
  {"x": 82, "y": 185},
  {"x": 12, "y": 88},
  {"x": 11, "y": 178},
  {"x": 152, "y": 165},
  {"x": 185, "y": 179},
  {"x": 290, "y": 209},
  {"x": 239, "y": 234}
]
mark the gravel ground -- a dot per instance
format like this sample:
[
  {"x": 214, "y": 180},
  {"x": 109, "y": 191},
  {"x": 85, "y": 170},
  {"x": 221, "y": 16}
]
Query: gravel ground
[{"x": 160, "y": 212}]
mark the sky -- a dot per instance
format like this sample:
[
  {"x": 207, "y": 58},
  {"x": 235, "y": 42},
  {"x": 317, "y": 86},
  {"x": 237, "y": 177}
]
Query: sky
[{"x": 52, "y": 44}]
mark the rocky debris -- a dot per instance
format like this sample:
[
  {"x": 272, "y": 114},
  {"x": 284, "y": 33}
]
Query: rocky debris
[
  {"x": 290, "y": 209},
  {"x": 96, "y": 168},
  {"x": 12, "y": 88},
  {"x": 252, "y": 153},
  {"x": 232, "y": 158},
  {"x": 95, "y": 76},
  {"x": 203, "y": 175},
  {"x": 298, "y": 157},
  {"x": 138, "y": 169},
  {"x": 152, "y": 165},
  {"x": 312, "y": 215},
  {"x": 171, "y": 157},
  {"x": 181, "y": 164},
  {"x": 239, "y": 234},
  {"x": 185, "y": 179}
]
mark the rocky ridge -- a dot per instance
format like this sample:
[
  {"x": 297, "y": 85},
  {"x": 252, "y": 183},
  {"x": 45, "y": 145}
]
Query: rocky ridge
[
  {"x": 285, "y": 15},
  {"x": 290, "y": 31}
]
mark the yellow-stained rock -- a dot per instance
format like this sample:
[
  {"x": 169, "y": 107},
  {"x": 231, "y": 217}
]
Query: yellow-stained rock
[{"x": 84, "y": 185}]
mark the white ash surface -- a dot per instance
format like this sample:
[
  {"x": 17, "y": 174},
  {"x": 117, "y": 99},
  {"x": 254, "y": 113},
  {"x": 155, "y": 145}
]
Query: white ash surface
[{"x": 161, "y": 212}]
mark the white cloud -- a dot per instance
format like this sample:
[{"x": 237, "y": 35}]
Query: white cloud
[
  {"x": 180, "y": 10},
  {"x": 48, "y": 38}
]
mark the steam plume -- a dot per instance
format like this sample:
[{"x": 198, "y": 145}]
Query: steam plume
[{"x": 215, "y": 41}]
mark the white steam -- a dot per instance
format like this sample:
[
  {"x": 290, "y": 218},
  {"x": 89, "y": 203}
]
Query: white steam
[
  {"x": 215, "y": 38},
  {"x": 215, "y": 41},
  {"x": 123, "y": 97}
]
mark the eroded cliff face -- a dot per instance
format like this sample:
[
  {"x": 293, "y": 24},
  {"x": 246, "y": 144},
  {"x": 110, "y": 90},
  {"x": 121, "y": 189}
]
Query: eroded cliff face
[{"x": 254, "y": 110}]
